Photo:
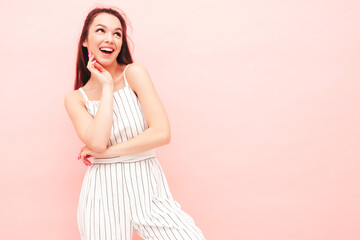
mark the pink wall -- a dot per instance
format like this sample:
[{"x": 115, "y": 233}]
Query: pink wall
[{"x": 263, "y": 99}]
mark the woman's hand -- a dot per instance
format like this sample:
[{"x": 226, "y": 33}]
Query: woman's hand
[
  {"x": 86, "y": 152},
  {"x": 102, "y": 75}
]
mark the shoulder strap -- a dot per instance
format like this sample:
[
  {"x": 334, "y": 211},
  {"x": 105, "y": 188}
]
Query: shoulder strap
[
  {"x": 84, "y": 94},
  {"x": 126, "y": 83}
]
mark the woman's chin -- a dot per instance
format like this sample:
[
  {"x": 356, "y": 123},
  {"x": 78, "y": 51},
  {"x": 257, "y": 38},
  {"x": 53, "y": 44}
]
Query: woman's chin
[{"x": 107, "y": 62}]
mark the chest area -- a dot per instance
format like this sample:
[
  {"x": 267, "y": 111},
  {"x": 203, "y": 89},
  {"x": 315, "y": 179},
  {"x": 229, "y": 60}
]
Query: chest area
[{"x": 125, "y": 103}]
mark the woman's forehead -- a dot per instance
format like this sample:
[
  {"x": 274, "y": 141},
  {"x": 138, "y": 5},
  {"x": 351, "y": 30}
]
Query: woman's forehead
[{"x": 106, "y": 20}]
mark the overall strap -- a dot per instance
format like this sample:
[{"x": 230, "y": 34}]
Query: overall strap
[
  {"x": 126, "y": 83},
  {"x": 84, "y": 94}
]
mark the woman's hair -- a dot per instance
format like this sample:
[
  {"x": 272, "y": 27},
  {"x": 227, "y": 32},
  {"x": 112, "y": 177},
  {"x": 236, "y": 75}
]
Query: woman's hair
[{"x": 124, "y": 57}]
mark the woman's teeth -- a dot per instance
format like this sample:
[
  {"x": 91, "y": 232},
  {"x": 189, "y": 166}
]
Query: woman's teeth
[{"x": 106, "y": 50}]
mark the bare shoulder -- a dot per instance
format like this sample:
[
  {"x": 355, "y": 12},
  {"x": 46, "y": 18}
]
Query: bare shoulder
[
  {"x": 151, "y": 104},
  {"x": 73, "y": 97},
  {"x": 138, "y": 77},
  {"x": 136, "y": 67}
]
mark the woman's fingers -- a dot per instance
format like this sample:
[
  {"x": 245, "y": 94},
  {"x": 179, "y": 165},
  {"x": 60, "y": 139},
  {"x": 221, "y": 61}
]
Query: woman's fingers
[
  {"x": 97, "y": 70},
  {"x": 83, "y": 157},
  {"x": 99, "y": 67},
  {"x": 90, "y": 63},
  {"x": 81, "y": 151},
  {"x": 93, "y": 69},
  {"x": 82, "y": 148},
  {"x": 86, "y": 161}
]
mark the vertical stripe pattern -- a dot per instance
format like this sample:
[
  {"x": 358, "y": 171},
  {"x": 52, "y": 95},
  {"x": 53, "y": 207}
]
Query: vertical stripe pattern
[{"x": 117, "y": 197}]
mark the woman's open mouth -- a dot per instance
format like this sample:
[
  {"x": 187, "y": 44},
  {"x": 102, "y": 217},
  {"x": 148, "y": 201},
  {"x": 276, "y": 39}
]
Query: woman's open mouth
[{"x": 106, "y": 51}]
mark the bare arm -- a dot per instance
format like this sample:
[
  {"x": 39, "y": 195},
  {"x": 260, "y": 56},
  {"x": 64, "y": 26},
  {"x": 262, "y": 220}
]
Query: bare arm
[
  {"x": 149, "y": 139},
  {"x": 93, "y": 131},
  {"x": 155, "y": 115}
]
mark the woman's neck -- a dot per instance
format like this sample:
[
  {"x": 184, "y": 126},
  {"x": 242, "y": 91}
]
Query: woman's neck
[{"x": 115, "y": 70}]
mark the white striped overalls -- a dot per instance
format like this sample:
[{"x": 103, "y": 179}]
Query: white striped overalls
[{"x": 129, "y": 192}]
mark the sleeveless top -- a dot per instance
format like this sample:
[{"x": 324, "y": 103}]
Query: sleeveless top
[{"x": 128, "y": 122}]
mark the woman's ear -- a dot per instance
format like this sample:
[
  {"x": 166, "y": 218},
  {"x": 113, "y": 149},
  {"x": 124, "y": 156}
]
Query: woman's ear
[{"x": 84, "y": 44}]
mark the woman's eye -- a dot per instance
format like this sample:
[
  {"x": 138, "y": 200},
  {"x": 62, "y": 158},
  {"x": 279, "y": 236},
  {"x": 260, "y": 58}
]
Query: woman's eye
[
  {"x": 118, "y": 34},
  {"x": 100, "y": 29}
]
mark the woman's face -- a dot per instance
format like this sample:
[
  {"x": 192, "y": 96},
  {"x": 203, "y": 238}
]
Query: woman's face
[{"x": 105, "y": 33}]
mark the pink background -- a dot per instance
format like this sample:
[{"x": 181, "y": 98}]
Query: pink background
[{"x": 262, "y": 96}]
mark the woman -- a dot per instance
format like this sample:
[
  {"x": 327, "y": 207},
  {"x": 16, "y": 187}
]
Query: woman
[{"x": 121, "y": 120}]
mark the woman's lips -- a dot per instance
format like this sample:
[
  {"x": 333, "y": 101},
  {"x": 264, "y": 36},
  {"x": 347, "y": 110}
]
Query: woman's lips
[{"x": 106, "y": 54}]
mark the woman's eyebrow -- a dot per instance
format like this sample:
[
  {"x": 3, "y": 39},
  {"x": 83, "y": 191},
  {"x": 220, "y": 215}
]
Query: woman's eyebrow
[{"x": 105, "y": 27}]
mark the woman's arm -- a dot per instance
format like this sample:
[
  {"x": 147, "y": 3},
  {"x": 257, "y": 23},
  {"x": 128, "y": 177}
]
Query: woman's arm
[
  {"x": 149, "y": 139},
  {"x": 158, "y": 133},
  {"x": 94, "y": 132}
]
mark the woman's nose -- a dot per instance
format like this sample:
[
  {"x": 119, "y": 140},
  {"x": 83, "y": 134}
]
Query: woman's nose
[{"x": 108, "y": 38}]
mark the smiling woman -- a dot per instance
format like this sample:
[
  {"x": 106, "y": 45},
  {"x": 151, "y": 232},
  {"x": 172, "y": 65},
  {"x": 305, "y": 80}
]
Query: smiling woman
[
  {"x": 125, "y": 187},
  {"x": 107, "y": 50}
]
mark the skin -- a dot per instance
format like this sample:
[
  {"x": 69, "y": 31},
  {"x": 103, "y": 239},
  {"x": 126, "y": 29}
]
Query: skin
[
  {"x": 106, "y": 34},
  {"x": 107, "y": 77}
]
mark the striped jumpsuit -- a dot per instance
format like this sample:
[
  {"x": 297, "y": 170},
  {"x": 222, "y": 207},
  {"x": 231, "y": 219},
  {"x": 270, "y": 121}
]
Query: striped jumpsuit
[{"x": 129, "y": 192}]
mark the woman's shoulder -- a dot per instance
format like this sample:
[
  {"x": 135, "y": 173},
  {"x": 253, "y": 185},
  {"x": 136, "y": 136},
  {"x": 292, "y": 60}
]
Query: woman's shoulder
[
  {"x": 136, "y": 71},
  {"x": 136, "y": 67},
  {"x": 138, "y": 77},
  {"x": 72, "y": 97}
]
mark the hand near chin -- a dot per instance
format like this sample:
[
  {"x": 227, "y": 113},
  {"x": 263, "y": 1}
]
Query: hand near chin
[{"x": 102, "y": 75}]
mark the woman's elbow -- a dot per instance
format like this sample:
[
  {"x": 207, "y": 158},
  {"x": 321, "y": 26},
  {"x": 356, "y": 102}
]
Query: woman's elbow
[
  {"x": 99, "y": 148},
  {"x": 166, "y": 137}
]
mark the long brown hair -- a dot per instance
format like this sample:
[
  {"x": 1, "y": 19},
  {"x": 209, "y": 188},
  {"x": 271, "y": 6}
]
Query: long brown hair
[{"x": 124, "y": 57}]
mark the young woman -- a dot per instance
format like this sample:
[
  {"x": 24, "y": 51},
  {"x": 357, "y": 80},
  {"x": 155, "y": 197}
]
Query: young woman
[{"x": 120, "y": 118}]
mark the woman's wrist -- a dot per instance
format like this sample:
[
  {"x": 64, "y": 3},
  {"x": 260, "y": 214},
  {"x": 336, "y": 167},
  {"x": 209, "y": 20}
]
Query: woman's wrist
[
  {"x": 108, "y": 87},
  {"x": 107, "y": 152},
  {"x": 111, "y": 151}
]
